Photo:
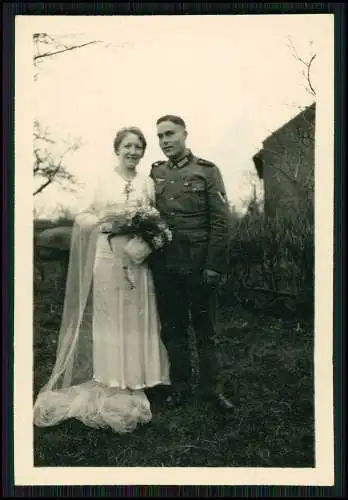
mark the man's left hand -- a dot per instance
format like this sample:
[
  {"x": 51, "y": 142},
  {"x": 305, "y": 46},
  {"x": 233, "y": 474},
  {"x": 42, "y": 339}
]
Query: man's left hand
[{"x": 211, "y": 278}]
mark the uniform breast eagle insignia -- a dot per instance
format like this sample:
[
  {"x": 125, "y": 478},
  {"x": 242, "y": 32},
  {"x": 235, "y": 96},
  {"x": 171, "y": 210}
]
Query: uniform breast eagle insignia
[{"x": 158, "y": 163}]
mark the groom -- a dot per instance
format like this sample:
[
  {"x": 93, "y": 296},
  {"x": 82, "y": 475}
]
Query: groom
[{"x": 190, "y": 194}]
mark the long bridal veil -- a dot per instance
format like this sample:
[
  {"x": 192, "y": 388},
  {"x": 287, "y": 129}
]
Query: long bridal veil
[{"x": 70, "y": 391}]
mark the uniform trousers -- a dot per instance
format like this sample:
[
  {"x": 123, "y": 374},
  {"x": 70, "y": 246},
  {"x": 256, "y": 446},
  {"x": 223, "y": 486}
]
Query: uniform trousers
[{"x": 181, "y": 299}]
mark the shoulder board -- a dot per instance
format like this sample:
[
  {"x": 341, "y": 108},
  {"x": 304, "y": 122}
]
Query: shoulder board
[
  {"x": 158, "y": 163},
  {"x": 205, "y": 163}
]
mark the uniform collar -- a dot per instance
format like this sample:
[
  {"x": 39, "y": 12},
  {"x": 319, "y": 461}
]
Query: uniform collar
[{"x": 182, "y": 162}]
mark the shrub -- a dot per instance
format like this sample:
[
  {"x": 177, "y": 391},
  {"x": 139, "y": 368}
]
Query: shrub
[{"x": 272, "y": 262}]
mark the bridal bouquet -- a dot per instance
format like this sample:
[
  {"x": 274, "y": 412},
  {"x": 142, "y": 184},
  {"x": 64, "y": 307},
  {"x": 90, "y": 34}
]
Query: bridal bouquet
[{"x": 147, "y": 230}]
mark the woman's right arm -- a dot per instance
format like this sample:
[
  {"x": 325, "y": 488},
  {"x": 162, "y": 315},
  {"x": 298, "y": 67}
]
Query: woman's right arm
[
  {"x": 87, "y": 215},
  {"x": 87, "y": 218},
  {"x": 94, "y": 208}
]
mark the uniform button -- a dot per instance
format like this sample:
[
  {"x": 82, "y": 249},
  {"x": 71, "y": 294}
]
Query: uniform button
[
  {"x": 171, "y": 197},
  {"x": 171, "y": 182},
  {"x": 172, "y": 213}
]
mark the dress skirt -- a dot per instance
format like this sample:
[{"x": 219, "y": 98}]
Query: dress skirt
[
  {"x": 120, "y": 352},
  {"x": 128, "y": 354},
  {"x": 127, "y": 350}
]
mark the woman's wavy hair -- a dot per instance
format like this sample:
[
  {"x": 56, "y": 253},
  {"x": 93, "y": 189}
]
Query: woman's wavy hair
[{"x": 121, "y": 134}]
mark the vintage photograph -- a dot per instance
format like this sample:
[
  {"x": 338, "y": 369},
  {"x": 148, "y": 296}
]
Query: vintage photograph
[{"x": 173, "y": 211}]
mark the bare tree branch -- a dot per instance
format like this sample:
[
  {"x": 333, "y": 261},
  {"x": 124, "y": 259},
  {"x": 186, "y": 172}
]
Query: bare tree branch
[
  {"x": 65, "y": 49},
  {"x": 308, "y": 74},
  {"x": 48, "y": 165},
  {"x": 43, "y": 186},
  {"x": 41, "y": 137},
  {"x": 48, "y": 174},
  {"x": 307, "y": 64}
]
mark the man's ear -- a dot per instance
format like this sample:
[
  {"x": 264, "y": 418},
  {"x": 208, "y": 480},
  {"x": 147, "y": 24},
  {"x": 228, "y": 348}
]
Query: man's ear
[{"x": 185, "y": 133}]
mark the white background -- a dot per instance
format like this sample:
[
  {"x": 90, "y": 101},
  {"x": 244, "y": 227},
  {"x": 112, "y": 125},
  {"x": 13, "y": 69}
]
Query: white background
[{"x": 232, "y": 78}]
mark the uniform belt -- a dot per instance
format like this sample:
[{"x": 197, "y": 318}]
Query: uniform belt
[
  {"x": 197, "y": 215},
  {"x": 118, "y": 233}
]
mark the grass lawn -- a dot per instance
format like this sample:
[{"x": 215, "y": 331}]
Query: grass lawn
[{"x": 268, "y": 364}]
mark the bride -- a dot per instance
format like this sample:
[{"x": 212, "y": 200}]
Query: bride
[{"x": 109, "y": 349}]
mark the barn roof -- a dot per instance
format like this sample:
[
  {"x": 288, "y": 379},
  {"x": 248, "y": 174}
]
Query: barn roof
[{"x": 258, "y": 157}]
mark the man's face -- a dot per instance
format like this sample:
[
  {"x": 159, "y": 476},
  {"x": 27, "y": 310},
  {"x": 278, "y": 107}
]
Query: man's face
[{"x": 172, "y": 139}]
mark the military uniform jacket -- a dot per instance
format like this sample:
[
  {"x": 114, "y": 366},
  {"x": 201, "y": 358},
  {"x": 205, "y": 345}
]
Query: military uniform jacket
[{"x": 190, "y": 195}]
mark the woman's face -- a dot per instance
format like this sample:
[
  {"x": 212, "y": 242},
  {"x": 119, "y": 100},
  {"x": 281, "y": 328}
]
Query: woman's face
[{"x": 130, "y": 151}]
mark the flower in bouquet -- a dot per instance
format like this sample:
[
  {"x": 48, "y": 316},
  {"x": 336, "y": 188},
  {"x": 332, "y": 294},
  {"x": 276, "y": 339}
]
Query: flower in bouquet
[
  {"x": 143, "y": 224},
  {"x": 122, "y": 223},
  {"x": 168, "y": 234},
  {"x": 158, "y": 241},
  {"x": 152, "y": 228}
]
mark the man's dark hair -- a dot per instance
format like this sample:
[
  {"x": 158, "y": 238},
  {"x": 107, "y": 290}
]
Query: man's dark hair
[{"x": 171, "y": 118}]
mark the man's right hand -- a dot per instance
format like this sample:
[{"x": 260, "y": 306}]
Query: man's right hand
[{"x": 211, "y": 278}]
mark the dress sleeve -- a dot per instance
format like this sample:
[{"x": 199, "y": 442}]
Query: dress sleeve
[
  {"x": 89, "y": 203},
  {"x": 100, "y": 195}
]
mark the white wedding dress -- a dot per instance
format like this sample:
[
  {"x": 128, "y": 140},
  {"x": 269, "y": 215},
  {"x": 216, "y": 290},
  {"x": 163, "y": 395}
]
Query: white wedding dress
[{"x": 124, "y": 335}]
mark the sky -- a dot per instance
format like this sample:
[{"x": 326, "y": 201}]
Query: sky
[{"x": 232, "y": 78}]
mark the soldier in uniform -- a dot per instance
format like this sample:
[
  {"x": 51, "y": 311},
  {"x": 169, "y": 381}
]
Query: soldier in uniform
[{"x": 191, "y": 196}]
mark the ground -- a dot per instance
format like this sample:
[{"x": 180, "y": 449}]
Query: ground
[{"x": 268, "y": 368}]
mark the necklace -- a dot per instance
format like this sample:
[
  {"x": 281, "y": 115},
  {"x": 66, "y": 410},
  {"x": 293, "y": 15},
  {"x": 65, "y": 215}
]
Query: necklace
[{"x": 128, "y": 188}]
